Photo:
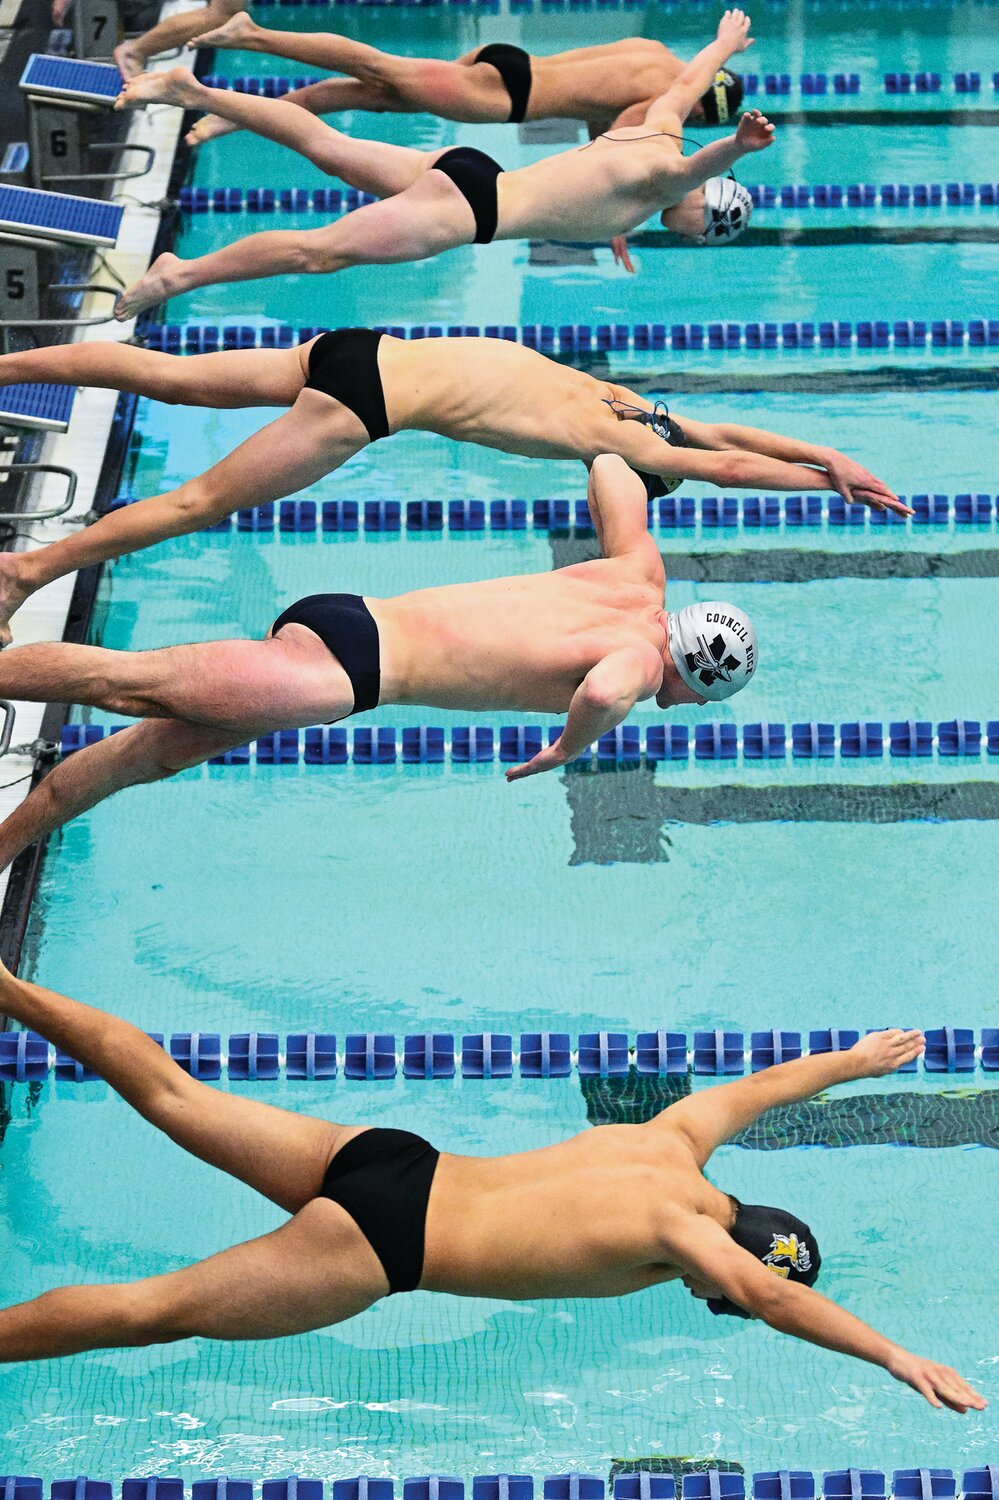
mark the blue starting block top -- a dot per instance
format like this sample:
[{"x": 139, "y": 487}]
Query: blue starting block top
[
  {"x": 45, "y": 408},
  {"x": 66, "y": 78},
  {"x": 59, "y": 216}
]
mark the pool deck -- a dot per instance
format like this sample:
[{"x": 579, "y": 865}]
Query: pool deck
[{"x": 88, "y": 448}]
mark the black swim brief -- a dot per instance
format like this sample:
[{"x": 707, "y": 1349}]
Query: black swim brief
[
  {"x": 346, "y": 626},
  {"x": 513, "y": 65},
  {"x": 344, "y": 364},
  {"x": 655, "y": 484},
  {"x": 383, "y": 1179},
  {"x": 474, "y": 174}
]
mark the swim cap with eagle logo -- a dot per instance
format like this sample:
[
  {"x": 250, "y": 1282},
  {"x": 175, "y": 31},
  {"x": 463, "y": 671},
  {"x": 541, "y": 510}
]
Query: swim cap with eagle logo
[
  {"x": 721, "y": 100},
  {"x": 713, "y": 647},
  {"x": 728, "y": 209},
  {"x": 784, "y": 1244}
]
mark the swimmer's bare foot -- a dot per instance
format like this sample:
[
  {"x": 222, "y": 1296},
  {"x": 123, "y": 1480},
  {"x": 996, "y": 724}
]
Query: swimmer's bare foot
[
  {"x": 60, "y": 10},
  {"x": 176, "y": 86},
  {"x": 129, "y": 59},
  {"x": 239, "y": 32},
  {"x": 207, "y": 128},
  {"x": 155, "y": 286},
  {"x": 13, "y": 591}
]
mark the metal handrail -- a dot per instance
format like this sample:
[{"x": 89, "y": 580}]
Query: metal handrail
[
  {"x": 149, "y": 152},
  {"x": 67, "y": 322},
  {"x": 41, "y": 515},
  {"x": 9, "y": 715}
]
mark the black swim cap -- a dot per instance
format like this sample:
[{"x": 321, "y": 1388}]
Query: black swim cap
[
  {"x": 671, "y": 432},
  {"x": 783, "y": 1243},
  {"x": 722, "y": 99}
]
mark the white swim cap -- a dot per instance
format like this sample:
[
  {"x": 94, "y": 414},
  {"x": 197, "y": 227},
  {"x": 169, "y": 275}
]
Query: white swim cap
[
  {"x": 728, "y": 209},
  {"x": 713, "y": 647}
]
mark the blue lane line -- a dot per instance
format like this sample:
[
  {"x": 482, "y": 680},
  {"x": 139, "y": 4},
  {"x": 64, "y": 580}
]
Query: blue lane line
[
  {"x": 904, "y": 334},
  {"x": 27, "y": 1057},
  {"x": 671, "y": 513},
  {"x": 629, "y": 744}
]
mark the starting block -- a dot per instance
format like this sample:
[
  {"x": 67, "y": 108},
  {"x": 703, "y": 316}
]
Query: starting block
[
  {"x": 33, "y": 225},
  {"x": 37, "y": 408},
  {"x": 26, "y": 409},
  {"x": 64, "y": 96}
]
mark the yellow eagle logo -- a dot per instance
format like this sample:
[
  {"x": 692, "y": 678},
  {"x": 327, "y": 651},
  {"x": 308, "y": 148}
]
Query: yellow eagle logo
[{"x": 787, "y": 1253}]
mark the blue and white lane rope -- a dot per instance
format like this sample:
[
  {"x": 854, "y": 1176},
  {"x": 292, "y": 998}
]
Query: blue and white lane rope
[
  {"x": 629, "y": 745},
  {"x": 635, "y": 1484},
  {"x": 908, "y": 334},
  {"x": 670, "y": 513},
  {"x": 863, "y": 195},
  {"x": 27, "y": 1057}
]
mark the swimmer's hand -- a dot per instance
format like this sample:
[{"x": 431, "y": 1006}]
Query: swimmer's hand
[
  {"x": 886, "y": 1051},
  {"x": 859, "y": 486},
  {"x": 622, "y": 257},
  {"x": 941, "y": 1385},
  {"x": 548, "y": 759},
  {"x": 755, "y": 132},
  {"x": 733, "y": 31}
]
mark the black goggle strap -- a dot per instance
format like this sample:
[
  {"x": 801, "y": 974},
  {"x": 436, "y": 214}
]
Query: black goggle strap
[{"x": 657, "y": 418}]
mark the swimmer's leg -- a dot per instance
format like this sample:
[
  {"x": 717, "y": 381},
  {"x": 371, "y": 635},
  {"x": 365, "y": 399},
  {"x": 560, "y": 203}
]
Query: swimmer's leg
[
  {"x": 317, "y": 49},
  {"x": 286, "y": 681},
  {"x": 133, "y": 54},
  {"x": 413, "y": 83},
  {"x": 426, "y": 219},
  {"x": 329, "y": 96},
  {"x": 372, "y": 166},
  {"x": 278, "y": 1153},
  {"x": 235, "y": 378},
  {"x": 316, "y": 1270},
  {"x": 315, "y": 437}
]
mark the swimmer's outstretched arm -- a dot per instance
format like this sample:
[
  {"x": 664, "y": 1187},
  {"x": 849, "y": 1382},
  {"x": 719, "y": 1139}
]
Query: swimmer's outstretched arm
[
  {"x": 697, "y": 76},
  {"x": 603, "y": 700},
  {"x": 713, "y": 1116},
  {"x": 754, "y": 133},
  {"x": 704, "y": 1249},
  {"x": 852, "y": 480},
  {"x": 740, "y": 468}
]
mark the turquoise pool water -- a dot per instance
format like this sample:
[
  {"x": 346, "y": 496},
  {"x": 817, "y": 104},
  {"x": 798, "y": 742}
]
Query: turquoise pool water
[{"x": 411, "y": 899}]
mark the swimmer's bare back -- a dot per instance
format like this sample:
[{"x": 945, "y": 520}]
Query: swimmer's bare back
[{"x": 592, "y": 192}]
